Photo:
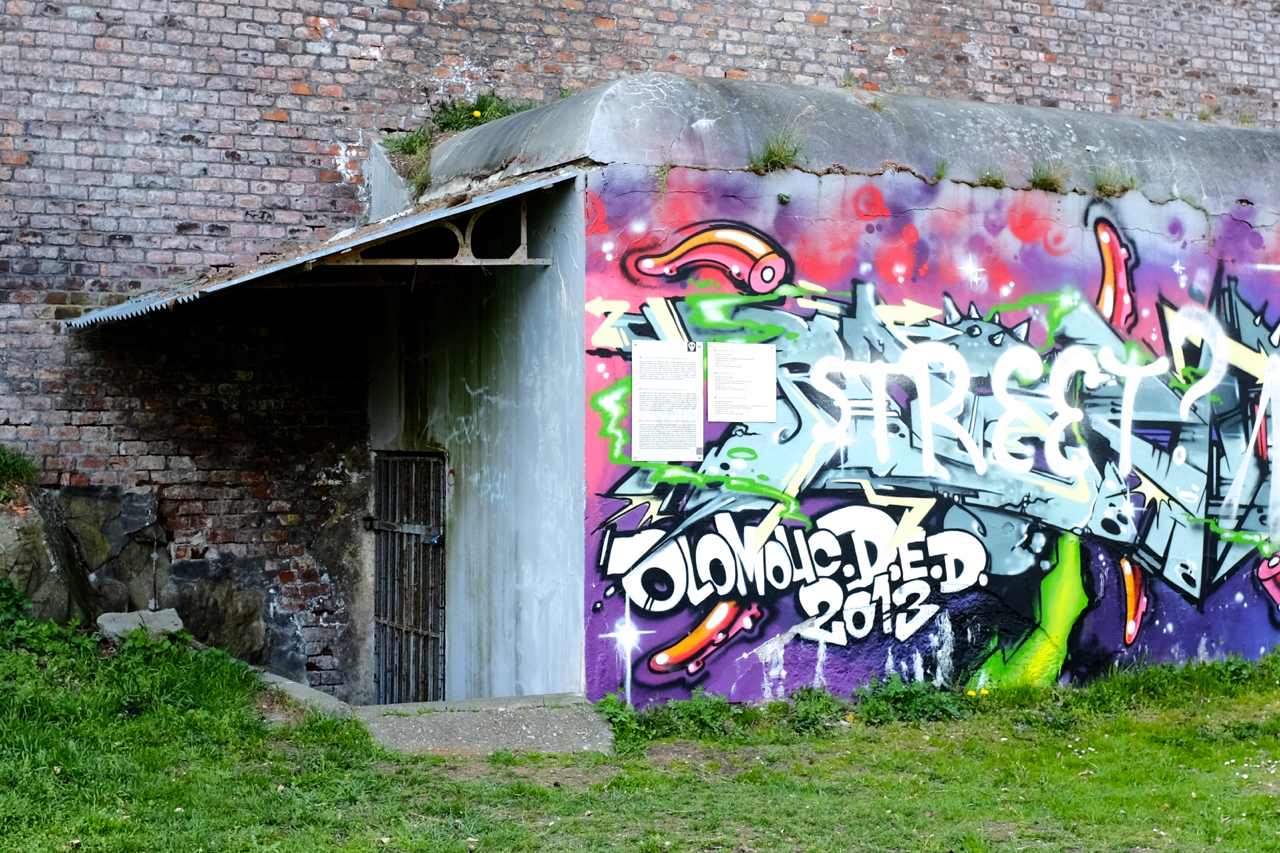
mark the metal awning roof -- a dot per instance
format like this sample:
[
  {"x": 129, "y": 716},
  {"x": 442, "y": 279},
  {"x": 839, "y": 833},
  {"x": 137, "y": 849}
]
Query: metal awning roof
[{"x": 327, "y": 252}]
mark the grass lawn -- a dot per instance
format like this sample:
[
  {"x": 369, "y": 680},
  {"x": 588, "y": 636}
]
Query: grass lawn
[{"x": 153, "y": 747}]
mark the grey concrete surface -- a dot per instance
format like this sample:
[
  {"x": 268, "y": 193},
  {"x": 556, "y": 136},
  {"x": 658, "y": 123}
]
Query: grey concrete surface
[
  {"x": 656, "y": 120},
  {"x": 388, "y": 193},
  {"x": 561, "y": 722},
  {"x": 309, "y": 697}
]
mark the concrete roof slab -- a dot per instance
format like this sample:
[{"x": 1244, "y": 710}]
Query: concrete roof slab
[{"x": 655, "y": 119}]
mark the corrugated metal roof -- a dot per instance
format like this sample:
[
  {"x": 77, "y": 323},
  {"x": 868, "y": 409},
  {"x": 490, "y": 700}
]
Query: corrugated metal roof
[{"x": 401, "y": 224}]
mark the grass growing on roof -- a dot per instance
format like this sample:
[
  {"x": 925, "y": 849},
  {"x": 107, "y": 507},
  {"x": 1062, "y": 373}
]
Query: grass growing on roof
[
  {"x": 159, "y": 748},
  {"x": 991, "y": 176},
  {"x": 450, "y": 117},
  {"x": 1112, "y": 182},
  {"x": 781, "y": 148},
  {"x": 457, "y": 115},
  {"x": 1048, "y": 177}
]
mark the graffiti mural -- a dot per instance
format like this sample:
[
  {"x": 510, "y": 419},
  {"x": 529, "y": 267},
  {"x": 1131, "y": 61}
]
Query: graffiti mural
[{"x": 1019, "y": 436}]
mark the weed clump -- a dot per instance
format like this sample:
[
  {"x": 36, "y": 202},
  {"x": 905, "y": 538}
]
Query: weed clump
[
  {"x": 411, "y": 144},
  {"x": 1048, "y": 177},
  {"x": 1111, "y": 182},
  {"x": 991, "y": 177},
  {"x": 940, "y": 168},
  {"x": 414, "y": 148},
  {"x": 811, "y": 712},
  {"x": 898, "y": 701},
  {"x": 781, "y": 148},
  {"x": 708, "y": 716},
  {"x": 17, "y": 471},
  {"x": 459, "y": 115}
]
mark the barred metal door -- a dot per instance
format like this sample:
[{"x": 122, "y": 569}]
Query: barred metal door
[{"x": 408, "y": 611}]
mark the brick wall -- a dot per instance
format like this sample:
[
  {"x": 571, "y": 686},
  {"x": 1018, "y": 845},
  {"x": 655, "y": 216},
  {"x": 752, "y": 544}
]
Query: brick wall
[
  {"x": 143, "y": 139},
  {"x": 146, "y": 139},
  {"x": 248, "y": 417},
  {"x": 1160, "y": 59}
]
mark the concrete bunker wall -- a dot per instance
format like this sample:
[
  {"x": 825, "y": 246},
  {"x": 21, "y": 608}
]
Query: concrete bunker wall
[
  {"x": 1020, "y": 436},
  {"x": 485, "y": 365}
]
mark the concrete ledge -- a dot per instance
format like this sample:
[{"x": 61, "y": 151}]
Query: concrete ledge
[
  {"x": 559, "y": 722},
  {"x": 499, "y": 703},
  {"x": 308, "y": 697}
]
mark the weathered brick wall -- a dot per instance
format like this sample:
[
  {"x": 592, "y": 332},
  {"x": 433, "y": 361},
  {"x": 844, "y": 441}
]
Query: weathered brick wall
[
  {"x": 248, "y": 417},
  {"x": 146, "y": 139},
  {"x": 1161, "y": 59}
]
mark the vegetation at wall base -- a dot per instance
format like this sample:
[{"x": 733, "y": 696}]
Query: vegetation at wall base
[
  {"x": 17, "y": 472},
  {"x": 156, "y": 747}
]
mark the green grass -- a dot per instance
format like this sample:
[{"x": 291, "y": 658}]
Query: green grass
[
  {"x": 781, "y": 148},
  {"x": 992, "y": 177},
  {"x": 17, "y": 472},
  {"x": 463, "y": 115},
  {"x": 450, "y": 117},
  {"x": 411, "y": 144},
  {"x": 158, "y": 748},
  {"x": 1112, "y": 182},
  {"x": 1048, "y": 177}
]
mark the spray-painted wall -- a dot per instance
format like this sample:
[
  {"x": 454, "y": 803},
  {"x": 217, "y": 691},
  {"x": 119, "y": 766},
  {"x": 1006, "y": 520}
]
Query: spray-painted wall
[
  {"x": 1020, "y": 436},
  {"x": 485, "y": 365}
]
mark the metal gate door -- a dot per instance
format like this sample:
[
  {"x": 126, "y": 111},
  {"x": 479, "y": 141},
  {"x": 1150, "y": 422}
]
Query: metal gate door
[{"x": 408, "y": 611}]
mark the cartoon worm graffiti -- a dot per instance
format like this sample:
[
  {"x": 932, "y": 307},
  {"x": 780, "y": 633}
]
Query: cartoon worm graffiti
[
  {"x": 727, "y": 620},
  {"x": 1135, "y": 599},
  {"x": 1116, "y": 298},
  {"x": 753, "y": 263}
]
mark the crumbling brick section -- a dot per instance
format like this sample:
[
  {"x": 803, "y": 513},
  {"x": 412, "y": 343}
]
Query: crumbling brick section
[{"x": 248, "y": 417}]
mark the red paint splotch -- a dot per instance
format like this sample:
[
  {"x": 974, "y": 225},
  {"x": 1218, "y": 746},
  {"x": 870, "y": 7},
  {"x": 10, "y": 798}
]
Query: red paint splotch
[{"x": 869, "y": 204}]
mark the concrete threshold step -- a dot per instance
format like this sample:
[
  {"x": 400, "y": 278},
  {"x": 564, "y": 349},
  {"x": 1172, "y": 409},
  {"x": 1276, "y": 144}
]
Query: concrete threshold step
[{"x": 556, "y": 722}]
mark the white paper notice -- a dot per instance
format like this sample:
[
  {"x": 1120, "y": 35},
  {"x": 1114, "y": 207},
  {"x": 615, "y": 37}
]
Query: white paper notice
[
  {"x": 742, "y": 383},
  {"x": 666, "y": 401}
]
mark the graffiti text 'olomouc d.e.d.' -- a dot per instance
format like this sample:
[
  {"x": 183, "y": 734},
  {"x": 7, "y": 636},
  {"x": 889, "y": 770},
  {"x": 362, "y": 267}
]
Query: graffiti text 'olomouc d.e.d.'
[{"x": 1074, "y": 473}]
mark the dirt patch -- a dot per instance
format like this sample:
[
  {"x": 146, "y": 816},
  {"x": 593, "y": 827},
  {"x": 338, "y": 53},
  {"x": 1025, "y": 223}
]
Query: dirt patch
[
  {"x": 547, "y": 773},
  {"x": 701, "y": 759},
  {"x": 552, "y": 775},
  {"x": 279, "y": 710},
  {"x": 998, "y": 831}
]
